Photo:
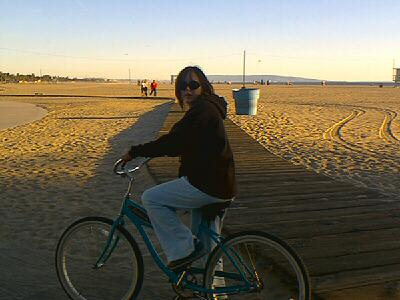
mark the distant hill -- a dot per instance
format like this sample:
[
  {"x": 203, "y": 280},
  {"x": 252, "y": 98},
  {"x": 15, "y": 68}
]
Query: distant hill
[{"x": 252, "y": 78}]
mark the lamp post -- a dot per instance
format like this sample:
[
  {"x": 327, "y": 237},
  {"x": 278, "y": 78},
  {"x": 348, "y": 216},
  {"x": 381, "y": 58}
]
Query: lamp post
[{"x": 244, "y": 68}]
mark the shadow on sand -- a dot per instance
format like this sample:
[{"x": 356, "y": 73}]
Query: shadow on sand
[{"x": 107, "y": 189}]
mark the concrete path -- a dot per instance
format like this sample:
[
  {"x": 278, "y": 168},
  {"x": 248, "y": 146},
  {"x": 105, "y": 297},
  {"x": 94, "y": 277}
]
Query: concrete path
[{"x": 17, "y": 113}]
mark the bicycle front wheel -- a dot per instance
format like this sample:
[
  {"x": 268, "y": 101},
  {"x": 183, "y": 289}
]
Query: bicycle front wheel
[
  {"x": 256, "y": 265},
  {"x": 78, "y": 250}
]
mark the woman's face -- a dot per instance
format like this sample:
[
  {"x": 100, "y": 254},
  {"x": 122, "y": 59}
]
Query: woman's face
[{"x": 190, "y": 88}]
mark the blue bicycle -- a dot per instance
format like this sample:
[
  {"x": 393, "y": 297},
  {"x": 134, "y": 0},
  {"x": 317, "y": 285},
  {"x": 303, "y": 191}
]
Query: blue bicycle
[{"x": 98, "y": 258}]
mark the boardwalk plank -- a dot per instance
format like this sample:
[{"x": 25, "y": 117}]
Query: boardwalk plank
[
  {"x": 347, "y": 235},
  {"x": 305, "y": 229}
]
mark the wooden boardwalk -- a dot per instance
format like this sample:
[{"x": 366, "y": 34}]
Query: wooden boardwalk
[{"x": 347, "y": 236}]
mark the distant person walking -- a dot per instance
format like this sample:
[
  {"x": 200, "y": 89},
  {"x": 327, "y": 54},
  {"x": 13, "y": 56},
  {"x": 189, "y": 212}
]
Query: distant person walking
[
  {"x": 141, "y": 88},
  {"x": 144, "y": 88},
  {"x": 153, "y": 88}
]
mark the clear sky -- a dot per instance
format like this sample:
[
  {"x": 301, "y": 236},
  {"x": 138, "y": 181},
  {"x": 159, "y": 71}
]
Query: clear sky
[{"x": 324, "y": 39}]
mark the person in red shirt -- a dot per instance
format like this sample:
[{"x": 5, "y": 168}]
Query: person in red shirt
[{"x": 153, "y": 88}]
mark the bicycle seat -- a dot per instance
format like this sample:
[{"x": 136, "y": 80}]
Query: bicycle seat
[{"x": 211, "y": 211}]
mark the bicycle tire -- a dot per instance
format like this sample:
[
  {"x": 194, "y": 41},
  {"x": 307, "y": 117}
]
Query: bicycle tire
[
  {"x": 276, "y": 258},
  {"x": 73, "y": 262}
]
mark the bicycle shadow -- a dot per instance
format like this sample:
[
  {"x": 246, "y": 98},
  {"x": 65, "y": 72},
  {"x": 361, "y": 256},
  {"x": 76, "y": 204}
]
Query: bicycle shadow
[
  {"x": 107, "y": 192},
  {"x": 41, "y": 207},
  {"x": 107, "y": 189}
]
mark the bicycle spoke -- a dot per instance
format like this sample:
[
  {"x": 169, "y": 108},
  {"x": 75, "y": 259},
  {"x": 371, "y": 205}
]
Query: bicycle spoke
[
  {"x": 80, "y": 248},
  {"x": 264, "y": 269}
]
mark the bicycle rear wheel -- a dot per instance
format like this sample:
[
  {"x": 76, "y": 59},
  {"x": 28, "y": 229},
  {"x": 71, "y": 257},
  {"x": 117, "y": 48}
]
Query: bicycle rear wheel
[
  {"x": 272, "y": 268},
  {"x": 78, "y": 250}
]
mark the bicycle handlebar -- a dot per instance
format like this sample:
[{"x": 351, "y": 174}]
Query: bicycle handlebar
[{"x": 120, "y": 164}]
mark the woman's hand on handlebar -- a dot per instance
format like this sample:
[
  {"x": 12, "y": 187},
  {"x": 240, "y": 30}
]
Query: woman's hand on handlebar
[
  {"x": 126, "y": 157},
  {"x": 119, "y": 166}
]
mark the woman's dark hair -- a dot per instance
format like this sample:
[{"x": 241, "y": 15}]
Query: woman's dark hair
[{"x": 206, "y": 87}]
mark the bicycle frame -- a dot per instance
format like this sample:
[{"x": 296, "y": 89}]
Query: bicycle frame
[{"x": 138, "y": 218}]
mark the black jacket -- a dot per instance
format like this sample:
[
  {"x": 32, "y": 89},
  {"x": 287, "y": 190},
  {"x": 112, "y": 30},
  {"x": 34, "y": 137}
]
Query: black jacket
[{"x": 200, "y": 140}]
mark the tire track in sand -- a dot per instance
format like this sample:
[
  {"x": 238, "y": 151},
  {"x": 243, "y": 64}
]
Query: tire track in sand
[
  {"x": 333, "y": 133},
  {"x": 385, "y": 131}
]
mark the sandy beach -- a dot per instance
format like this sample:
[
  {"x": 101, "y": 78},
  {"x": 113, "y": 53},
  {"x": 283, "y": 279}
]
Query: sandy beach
[
  {"x": 347, "y": 133},
  {"x": 57, "y": 169}
]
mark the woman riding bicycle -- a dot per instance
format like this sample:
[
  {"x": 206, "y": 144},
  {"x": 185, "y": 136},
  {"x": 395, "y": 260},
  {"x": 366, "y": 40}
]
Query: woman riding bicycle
[{"x": 206, "y": 173}]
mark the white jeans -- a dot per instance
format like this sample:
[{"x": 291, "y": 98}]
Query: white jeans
[{"x": 162, "y": 201}]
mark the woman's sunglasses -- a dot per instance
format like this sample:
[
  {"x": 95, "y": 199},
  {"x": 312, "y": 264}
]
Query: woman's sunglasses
[{"x": 193, "y": 85}]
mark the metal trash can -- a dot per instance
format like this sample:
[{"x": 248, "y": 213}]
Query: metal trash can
[{"x": 246, "y": 100}]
